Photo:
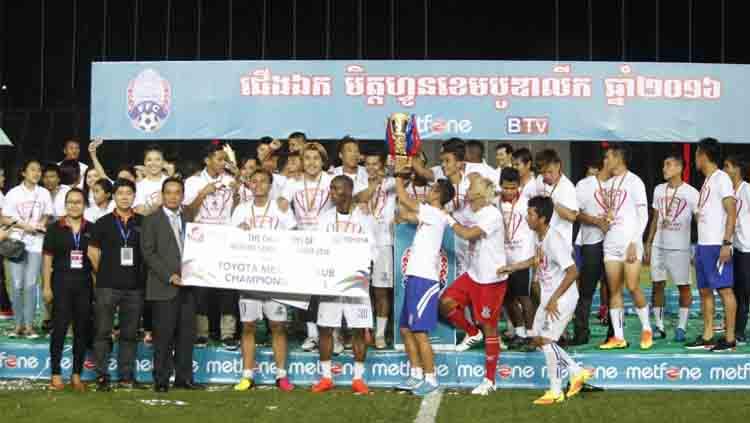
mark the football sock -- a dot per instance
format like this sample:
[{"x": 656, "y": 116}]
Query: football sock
[
  {"x": 659, "y": 317},
  {"x": 643, "y": 317},
  {"x": 521, "y": 331},
  {"x": 312, "y": 330},
  {"x": 491, "y": 355},
  {"x": 326, "y": 367},
  {"x": 359, "y": 370},
  {"x": 380, "y": 323},
  {"x": 553, "y": 369},
  {"x": 247, "y": 373},
  {"x": 682, "y": 323},
  {"x": 416, "y": 372},
  {"x": 616, "y": 314},
  {"x": 430, "y": 378},
  {"x": 572, "y": 366}
]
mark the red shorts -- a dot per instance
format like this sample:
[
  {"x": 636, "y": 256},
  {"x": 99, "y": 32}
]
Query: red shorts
[{"x": 486, "y": 299}]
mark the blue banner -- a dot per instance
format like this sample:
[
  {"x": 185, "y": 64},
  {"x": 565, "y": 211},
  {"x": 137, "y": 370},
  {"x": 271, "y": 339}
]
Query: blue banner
[
  {"x": 501, "y": 100},
  {"x": 387, "y": 369},
  {"x": 444, "y": 336}
]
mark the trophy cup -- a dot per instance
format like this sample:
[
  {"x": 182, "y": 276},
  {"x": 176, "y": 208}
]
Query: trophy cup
[{"x": 402, "y": 142}]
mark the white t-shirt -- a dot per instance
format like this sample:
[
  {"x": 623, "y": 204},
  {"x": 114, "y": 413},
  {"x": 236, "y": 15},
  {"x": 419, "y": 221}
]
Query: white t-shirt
[
  {"x": 564, "y": 194},
  {"x": 148, "y": 192},
  {"x": 742, "y": 228},
  {"x": 591, "y": 201},
  {"x": 424, "y": 258},
  {"x": 556, "y": 258},
  {"x": 485, "y": 253},
  {"x": 712, "y": 218},
  {"x": 58, "y": 201},
  {"x": 418, "y": 193},
  {"x": 355, "y": 222},
  {"x": 383, "y": 209},
  {"x": 630, "y": 207},
  {"x": 266, "y": 217},
  {"x": 519, "y": 238},
  {"x": 674, "y": 208},
  {"x": 94, "y": 213},
  {"x": 529, "y": 190},
  {"x": 28, "y": 206},
  {"x": 217, "y": 206},
  {"x": 359, "y": 179},
  {"x": 309, "y": 200}
]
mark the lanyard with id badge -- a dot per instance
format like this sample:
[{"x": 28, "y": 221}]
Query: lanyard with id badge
[
  {"x": 126, "y": 253},
  {"x": 76, "y": 255}
]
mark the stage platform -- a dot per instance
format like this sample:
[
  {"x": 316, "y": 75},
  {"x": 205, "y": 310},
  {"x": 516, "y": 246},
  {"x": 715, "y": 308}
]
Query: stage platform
[{"x": 667, "y": 366}]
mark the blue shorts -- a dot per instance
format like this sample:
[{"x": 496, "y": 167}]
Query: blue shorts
[
  {"x": 420, "y": 310},
  {"x": 706, "y": 257}
]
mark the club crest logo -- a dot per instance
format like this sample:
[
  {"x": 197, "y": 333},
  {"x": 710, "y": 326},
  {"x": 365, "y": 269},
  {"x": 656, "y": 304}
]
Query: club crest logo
[
  {"x": 149, "y": 100},
  {"x": 485, "y": 312}
]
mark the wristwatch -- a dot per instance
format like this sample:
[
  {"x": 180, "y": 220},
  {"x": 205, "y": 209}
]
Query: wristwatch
[{"x": 726, "y": 243}]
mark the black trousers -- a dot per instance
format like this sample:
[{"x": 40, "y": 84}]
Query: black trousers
[
  {"x": 742, "y": 290},
  {"x": 72, "y": 303},
  {"x": 5, "y": 304},
  {"x": 174, "y": 333},
  {"x": 592, "y": 270},
  {"x": 129, "y": 305}
]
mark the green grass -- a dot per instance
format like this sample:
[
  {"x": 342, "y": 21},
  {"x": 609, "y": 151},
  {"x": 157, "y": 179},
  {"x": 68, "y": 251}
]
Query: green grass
[
  {"x": 269, "y": 405},
  {"x": 260, "y": 405}
]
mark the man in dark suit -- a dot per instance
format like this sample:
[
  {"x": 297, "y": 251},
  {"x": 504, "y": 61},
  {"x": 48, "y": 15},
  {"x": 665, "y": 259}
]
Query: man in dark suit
[{"x": 173, "y": 304}]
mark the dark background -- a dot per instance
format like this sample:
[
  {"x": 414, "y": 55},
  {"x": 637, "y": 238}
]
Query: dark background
[{"x": 47, "y": 46}]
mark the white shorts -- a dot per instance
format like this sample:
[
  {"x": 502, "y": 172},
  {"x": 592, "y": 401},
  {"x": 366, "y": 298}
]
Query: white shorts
[
  {"x": 553, "y": 329},
  {"x": 672, "y": 263},
  {"x": 382, "y": 269},
  {"x": 356, "y": 311},
  {"x": 619, "y": 252},
  {"x": 253, "y": 309}
]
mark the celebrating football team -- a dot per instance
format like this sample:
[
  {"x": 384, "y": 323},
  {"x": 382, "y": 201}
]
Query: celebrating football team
[{"x": 109, "y": 255}]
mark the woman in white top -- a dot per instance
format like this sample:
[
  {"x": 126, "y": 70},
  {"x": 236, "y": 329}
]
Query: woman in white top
[
  {"x": 27, "y": 207},
  {"x": 103, "y": 204}
]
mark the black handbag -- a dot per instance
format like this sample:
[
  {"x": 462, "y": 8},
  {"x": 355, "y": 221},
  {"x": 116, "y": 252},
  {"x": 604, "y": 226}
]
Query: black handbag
[{"x": 12, "y": 249}]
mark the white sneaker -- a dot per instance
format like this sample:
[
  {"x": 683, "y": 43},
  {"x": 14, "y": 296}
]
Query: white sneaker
[
  {"x": 469, "y": 341},
  {"x": 380, "y": 342},
  {"x": 338, "y": 346},
  {"x": 310, "y": 344},
  {"x": 484, "y": 388}
]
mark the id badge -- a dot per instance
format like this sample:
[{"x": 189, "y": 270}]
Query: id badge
[
  {"x": 76, "y": 259},
  {"x": 126, "y": 256}
]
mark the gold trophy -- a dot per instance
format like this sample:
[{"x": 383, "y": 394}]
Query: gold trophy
[{"x": 402, "y": 142}]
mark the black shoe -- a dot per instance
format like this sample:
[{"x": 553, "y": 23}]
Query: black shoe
[
  {"x": 201, "y": 342},
  {"x": 230, "y": 344},
  {"x": 162, "y": 389},
  {"x": 724, "y": 346},
  {"x": 700, "y": 344},
  {"x": 659, "y": 334},
  {"x": 102, "y": 384},
  {"x": 516, "y": 342},
  {"x": 190, "y": 386}
]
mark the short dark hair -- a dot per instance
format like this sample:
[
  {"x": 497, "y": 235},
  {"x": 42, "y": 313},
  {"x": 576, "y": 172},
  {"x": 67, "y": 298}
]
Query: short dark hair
[
  {"x": 188, "y": 168},
  {"x": 447, "y": 192},
  {"x": 52, "y": 167},
  {"x": 122, "y": 182},
  {"x": 379, "y": 154},
  {"x": 79, "y": 191},
  {"x": 476, "y": 144},
  {"x": 456, "y": 147},
  {"x": 211, "y": 149},
  {"x": 547, "y": 156},
  {"x": 710, "y": 148},
  {"x": 152, "y": 147},
  {"x": 263, "y": 171},
  {"x": 344, "y": 141},
  {"x": 345, "y": 180},
  {"x": 522, "y": 154},
  {"x": 172, "y": 180},
  {"x": 265, "y": 140},
  {"x": 740, "y": 162},
  {"x": 298, "y": 134},
  {"x": 68, "y": 171},
  {"x": 673, "y": 155},
  {"x": 105, "y": 184},
  {"x": 127, "y": 168},
  {"x": 544, "y": 207},
  {"x": 509, "y": 174},
  {"x": 71, "y": 140},
  {"x": 595, "y": 162},
  {"x": 508, "y": 149},
  {"x": 621, "y": 149}
]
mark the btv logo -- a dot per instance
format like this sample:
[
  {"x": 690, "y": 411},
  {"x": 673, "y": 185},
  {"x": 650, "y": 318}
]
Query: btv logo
[
  {"x": 430, "y": 126},
  {"x": 527, "y": 125}
]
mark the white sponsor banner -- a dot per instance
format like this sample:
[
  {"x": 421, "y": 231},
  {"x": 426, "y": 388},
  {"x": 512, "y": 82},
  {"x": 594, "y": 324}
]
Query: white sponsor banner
[{"x": 277, "y": 262}]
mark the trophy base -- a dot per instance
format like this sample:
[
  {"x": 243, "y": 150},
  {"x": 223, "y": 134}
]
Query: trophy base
[{"x": 401, "y": 165}]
